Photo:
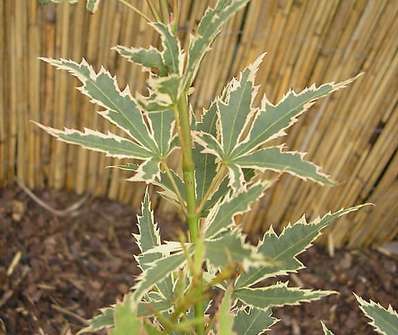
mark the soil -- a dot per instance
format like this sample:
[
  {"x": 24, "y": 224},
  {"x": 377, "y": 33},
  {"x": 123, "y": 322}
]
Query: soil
[{"x": 57, "y": 271}]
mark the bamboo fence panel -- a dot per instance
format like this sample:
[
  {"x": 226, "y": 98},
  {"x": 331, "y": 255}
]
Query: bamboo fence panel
[{"x": 352, "y": 134}]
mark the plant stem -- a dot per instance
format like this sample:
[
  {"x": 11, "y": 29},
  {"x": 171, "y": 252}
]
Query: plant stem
[
  {"x": 184, "y": 128},
  {"x": 188, "y": 167},
  {"x": 154, "y": 12},
  {"x": 124, "y": 2}
]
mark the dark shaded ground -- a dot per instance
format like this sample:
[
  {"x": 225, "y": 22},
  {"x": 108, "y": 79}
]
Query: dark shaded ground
[{"x": 71, "y": 266}]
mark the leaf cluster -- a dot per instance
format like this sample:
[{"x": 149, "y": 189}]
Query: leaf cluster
[{"x": 209, "y": 280}]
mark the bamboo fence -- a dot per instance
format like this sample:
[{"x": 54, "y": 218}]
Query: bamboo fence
[{"x": 353, "y": 134}]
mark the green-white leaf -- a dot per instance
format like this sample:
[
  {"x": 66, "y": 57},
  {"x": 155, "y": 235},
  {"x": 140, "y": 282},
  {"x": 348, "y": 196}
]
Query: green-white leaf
[
  {"x": 102, "y": 89},
  {"x": 235, "y": 110},
  {"x": 383, "y": 320},
  {"x": 272, "y": 120},
  {"x": 148, "y": 171},
  {"x": 223, "y": 189},
  {"x": 168, "y": 191},
  {"x": 208, "y": 123},
  {"x": 230, "y": 248},
  {"x": 150, "y": 58},
  {"x": 147, "y": 239},
  {"x": 253, "y": 321},
  {"x": 284, "y": 161},
  {"x": 151, "y": 308},
  {"x": 221, "y": 217},
  {"x": 208, "y": 29},
  {"x": 278, "y": 295},
  {"x": 243, "y": 130},
  {"x": 148, "y": 236},
  {"x": 111, "y": 144},
  {"x": 99, "y": 322},
  {"x": 106, "y": 318},
  {"x": 125, "y": 319},
  {"x": 326, "y": 331},
  {"x": 283, "y": 249},
  {"x": 225, "y": 319},
  {"x": 151, "y": 135},
  {"x": 92, "y": 5},
  {"x": 157, "y": 271},
  {"x": 132, "y": 167},
  {"x": 162, "y": 124},
  {"x": 205, "y": 164},
  {"x": 165, "y": 88},
  {"x": 171, "y": 54},
  {"x": 166, "y": 91}
]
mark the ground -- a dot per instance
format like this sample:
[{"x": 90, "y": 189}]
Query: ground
[{"x": 57, "y": 271}]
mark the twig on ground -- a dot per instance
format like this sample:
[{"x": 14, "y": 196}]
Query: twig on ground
[
  {"x": 71, "y": 210},
  {"x": 8, "y": 294},
  {"x": 15, "y": 261},
  {"x": 69, "y": 313}
]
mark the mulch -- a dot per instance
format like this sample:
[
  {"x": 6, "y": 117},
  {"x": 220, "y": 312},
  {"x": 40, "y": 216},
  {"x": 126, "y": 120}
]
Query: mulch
[{"x": 55, "y": 272}]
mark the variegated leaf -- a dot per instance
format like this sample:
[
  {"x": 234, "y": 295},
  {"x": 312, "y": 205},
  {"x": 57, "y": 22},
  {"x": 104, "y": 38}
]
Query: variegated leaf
[
  {"x": 326, "y": 331},
  {"x": 148, "y": 171},
  {"x": 253, "y": 321},
  {"x": 221, "y": 217},
  {"x": 150, "y": 58},
  {"x": 151, "y": 103},
  {"x": 205, "y": 164},
  {"x": 162, "y": 126},
  {"x": 106, "y": 318},
  {"x": 111, "y": 144},
  {"x": 284, "y": 248},
  {"x": 224, "y": 316},
  {"x": 125, "y": 317},
  {"x": 148, "y": 236},
  {"x": 157, "y": 271},
  {"x": 150, "y": 308},
  {"x": 132, "y": 167},
  {"x": 168, "y": 191},
  {"x": 121, "y": 108},
  {"x": 383, "y": 320},
  {"x": 292, "y": 162},
  {"x": 235, "y": 110},
  {"x": 243, "y": 130},
  {"x": 208, "y": 29},
  {"x": 148, "y": 239},
  {"x": 92, "y": 5},
  {"x": 166, "y": 91},
  {"x": 99, "y": 322},
  {"x": 151, "y": 144},
  {"x": 230, "y": 248},
  {"x": 222, "y": 190},
  {"x": 278, "y": 295},
  {"x": 172, "y": 54},
  {"x": 271, "y": 121}
]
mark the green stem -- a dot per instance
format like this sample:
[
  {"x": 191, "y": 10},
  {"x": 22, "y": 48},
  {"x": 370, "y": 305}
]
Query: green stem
[
  {"x": 188, "y": 167},
  {"x": 154, "y": 12},
  {"x": 135, "y": 9}
]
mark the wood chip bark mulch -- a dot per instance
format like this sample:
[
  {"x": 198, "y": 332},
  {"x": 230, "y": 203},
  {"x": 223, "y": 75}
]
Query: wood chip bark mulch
[{"x": 55, "y": 272}]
